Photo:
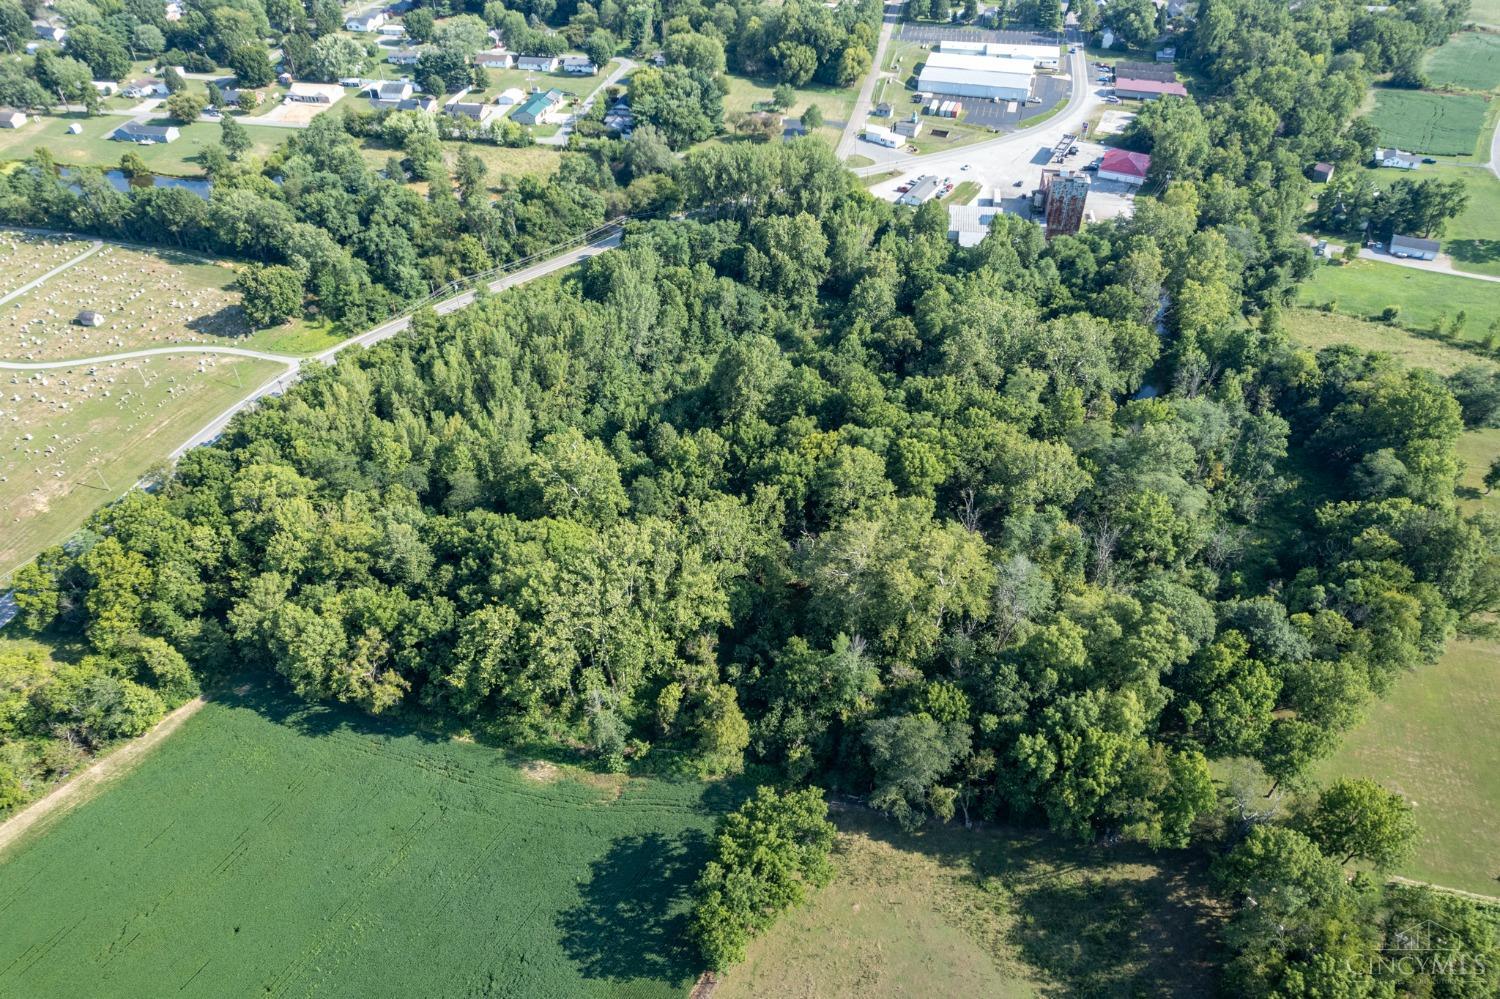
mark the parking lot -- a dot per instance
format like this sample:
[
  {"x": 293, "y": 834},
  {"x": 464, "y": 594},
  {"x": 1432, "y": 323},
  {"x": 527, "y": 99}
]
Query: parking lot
[
  {"x": 934, "y": 33},
  {"x": 1053, "y": 90}
]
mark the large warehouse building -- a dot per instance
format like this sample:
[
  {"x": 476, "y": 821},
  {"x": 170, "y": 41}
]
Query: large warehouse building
[
  {"x": 1041, "y": 56},
  {"x": 989, "y": 77}
]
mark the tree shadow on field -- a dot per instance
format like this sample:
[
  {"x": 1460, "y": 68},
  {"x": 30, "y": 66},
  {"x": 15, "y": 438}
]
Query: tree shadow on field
[
  {"x": 272, "y": 698},
  {"x": 632, "y": 919},
  {"x": 1474, "y": 251}
]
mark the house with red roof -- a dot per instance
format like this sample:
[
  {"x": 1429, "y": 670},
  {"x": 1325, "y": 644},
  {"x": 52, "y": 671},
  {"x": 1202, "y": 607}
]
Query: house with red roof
[
  {"x": 1124, "y": 166},
  {"x": 1148, "y": 90}
]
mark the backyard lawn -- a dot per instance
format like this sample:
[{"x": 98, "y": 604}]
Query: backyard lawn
[
  {"x": 93, "y": 147},
  {"x": 270, "y": 847},
  {"x": 1418, "y": 121},
  {"x": 1364, "y": 288},
  {"x": 836, "y": 103}
]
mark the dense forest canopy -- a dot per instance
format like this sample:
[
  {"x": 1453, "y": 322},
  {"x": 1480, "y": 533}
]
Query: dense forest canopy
[{"x": 1031, "y": 530}]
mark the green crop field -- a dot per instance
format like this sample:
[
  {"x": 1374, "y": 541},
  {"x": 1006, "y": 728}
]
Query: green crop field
[
  {"x": 1470, "y": 60},
  {"x": 275, "y": 849},
  {"x": 72, "y": 439},
  {"x": 1433, "y": 740},
  {"x": 1440, "y": 124},
  {"x": 999, "y": 912},
  {"x": 1316, "y": 330},
  {"x": 1364, "y": 288}
]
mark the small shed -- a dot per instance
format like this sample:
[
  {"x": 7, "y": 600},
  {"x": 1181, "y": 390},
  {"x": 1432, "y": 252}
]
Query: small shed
[
  {"x": 1322, "y": 173},
  {"x": 88, "y": 317},
  {"x": 75, "y": 129}
]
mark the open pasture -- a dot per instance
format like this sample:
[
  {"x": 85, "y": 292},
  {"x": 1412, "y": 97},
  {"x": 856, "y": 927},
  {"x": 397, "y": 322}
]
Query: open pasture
[
  {"x": 1433, "y": 740},
  {"x": 26, "y": 256},
  {"x": 1470, "y": 60},
  {"x": 1000, "y": 912},
  {"x": 1364, "y": 288},
  {"x": 270, "y": 848},
  {"x": 1316, "y": 330},
  {"x": 1422, "y": 122},
  {"x": 72, "y": 439}
]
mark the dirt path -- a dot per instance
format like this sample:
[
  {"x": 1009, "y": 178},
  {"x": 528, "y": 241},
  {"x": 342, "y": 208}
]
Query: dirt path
[
  {"x": 80, "y": 787},
  {"x": 1471, "y": 895}
]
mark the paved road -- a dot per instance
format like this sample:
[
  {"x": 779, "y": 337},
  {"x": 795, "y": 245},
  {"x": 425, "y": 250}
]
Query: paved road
[
  {"x": 1442, "y": 265},
  {"x": 891, "y": 18},
  {"x": 186, "y": 348},
  {"x": 94, "y": 248}
]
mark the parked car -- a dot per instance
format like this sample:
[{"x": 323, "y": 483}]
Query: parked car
[
  {"x": 1112, "y": 100},
  {"x": 1019, "y": 183},
  {"x": 965, "y": 166}
]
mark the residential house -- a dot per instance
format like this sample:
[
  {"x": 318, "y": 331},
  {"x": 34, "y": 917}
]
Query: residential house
[
  {"x": 1145, "y": 71},
  {"x": 882, "y": 110},
  {"x": 389, "y": 93},
  {"x": 910, "y": 128},
  {"x": 105, "y": 88},
  {"x": 881, "y": 136},
  {"x": 537, "y": 107},
  {"x": 1124, "y": 166},
  {"x": 404, "y": 57},
  {"x": 393, "y": 31},
  {"x": 495, "y": 59},
  {"x": 48, "y": 32},
  {"x": 480, "y": 111},
  {"x": 537, "y": 63},
  {"x": 510, "y": 97},
  {"x": 133, "y": 131},
  {"x": 1396, "y": 158},
  {"x": 11, "y": 118},
  {"x": 366, "y": 22},
  {"x": 1412, "y": 247},
  {"x": 1322, "y": 173},
  {"x": 148, "y": 87},
  {"x": 579, "y": 65}
]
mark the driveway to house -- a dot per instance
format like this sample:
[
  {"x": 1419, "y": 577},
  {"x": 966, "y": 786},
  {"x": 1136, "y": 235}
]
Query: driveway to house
[
  {"x": 890, "y": 19},
  {"x": 560, "y": 137},
  {"x": 1442, "y": 265}
]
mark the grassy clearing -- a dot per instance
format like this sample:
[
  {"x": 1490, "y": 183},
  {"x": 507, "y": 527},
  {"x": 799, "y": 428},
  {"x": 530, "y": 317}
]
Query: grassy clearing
[
  {"x": 1441, "y": 124},
  {"x": 1364, "y": 288},
  {"x": 501, "y": 162},
  {"x": 964, "y": 193},
  {"x": 1473, "y": 239},
  {"x": 94, "y": 430},
  {"x": 357, "y": 858},
  {"x": 26, "y": 256},
  {"x": 1486, "y": 12},
  {"x": 836, "y": 103},
  {"x": 94, "y": 147},
  {"x": 1433, "y": 740},
  {"x": 150, "y": 299},
  {"x": 996, "y": 912},
  {"x": 1477, "y": 448},
  {"x": 1470, "y": 60},
  {"x": 1316, "y": 330}
]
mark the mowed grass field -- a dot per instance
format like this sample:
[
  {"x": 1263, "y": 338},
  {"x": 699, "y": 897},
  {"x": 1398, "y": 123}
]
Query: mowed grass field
[
  {"x": 1433, "y": 740},
  {"x": 94, "y": 147},
  {"x": 273, "y": 849},
  {"x": 1486, "y": 12},
  {"x": 1470, "y": 60},
  {"x": 1473, "y": 239},
  {"x": 152, "y": 298},
  {"x": 1364, "y": 288},
  {"x": 998, "y": 912},
  {"x": 1316, "y": 330},
  {"x": 73, "y": 439},
  {"x": 1418, "y": 121}
]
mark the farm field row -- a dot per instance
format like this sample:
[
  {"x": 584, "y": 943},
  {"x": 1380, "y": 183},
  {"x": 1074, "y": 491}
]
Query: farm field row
[
  {"x": 1365, "y": 288},
  {"x": 1423, "y": 122},
  {"x": 356, "y": 857},
  {"x": 72, "y": 439},
  {"x": 1470, "y": 60}
]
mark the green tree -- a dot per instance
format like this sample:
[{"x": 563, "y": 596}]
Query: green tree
[
  {"x": 1359, "y": 819},
  {"x": 766, "y": 855},
  {"x": 270, "y": 294},
  {"x": 252, "y": 66},
  {"x": 186, "y": 107},
  {"x": 234, "y": 136}
]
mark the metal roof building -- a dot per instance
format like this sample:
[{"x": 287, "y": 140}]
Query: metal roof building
[{"x": 989, "y": 77}]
